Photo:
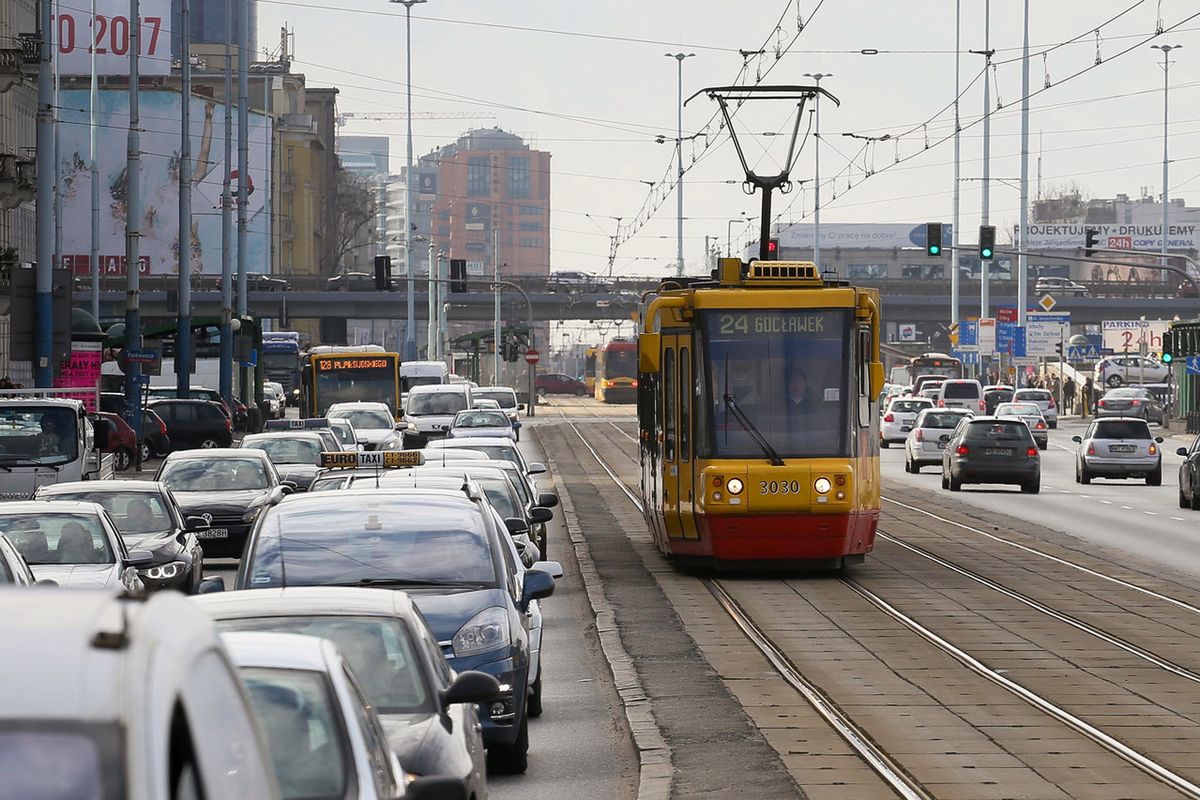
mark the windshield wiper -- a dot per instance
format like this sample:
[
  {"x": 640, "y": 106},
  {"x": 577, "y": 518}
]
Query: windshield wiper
[
  {"x": 406, "y": 582},
  {"x": 772, "y": 455}
]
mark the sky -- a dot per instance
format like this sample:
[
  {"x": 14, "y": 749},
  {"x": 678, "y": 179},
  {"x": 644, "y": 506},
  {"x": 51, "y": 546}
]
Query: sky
[{"x": 590, "y": 82}]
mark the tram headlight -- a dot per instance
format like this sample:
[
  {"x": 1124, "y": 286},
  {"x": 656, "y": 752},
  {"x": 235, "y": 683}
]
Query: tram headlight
[
  {"x": 734, "y": 486},
  {"x": 822, "y": 485}
]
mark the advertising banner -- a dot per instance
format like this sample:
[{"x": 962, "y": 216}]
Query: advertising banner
[
  {"x": 159, "y": 182},
  {"x": 864, "y": 235},
  {"x": 1134, "y": 336},
  {"x": 109, "y": 32},
  {"x": 81, "y": 371},
  {"x": 1111, "y": 237}
]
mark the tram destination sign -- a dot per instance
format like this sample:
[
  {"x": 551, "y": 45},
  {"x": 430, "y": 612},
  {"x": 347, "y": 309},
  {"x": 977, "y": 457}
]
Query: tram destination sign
[{"x": 765, "y": 321}]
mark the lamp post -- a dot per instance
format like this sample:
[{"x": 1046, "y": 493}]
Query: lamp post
[
  {"x": 679, "y": 57},
  {"x": 1166, "y": 67},
  {"x": 729, "y": 233},
  {"x": 817, "y": 76},
  {"x": 410, "y": 334}
]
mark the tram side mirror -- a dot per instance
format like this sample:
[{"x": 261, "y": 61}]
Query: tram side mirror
[
  {"x": 876, "y": 378},
  {"x": 649, "y": 349}
]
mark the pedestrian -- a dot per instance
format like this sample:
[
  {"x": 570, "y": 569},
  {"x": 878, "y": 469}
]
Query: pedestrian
[
  {"x": 1089, "y": 389},
  {"x": 1069, "y": 395}
]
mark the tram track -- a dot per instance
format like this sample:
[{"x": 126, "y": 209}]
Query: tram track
[{"x": 901, "y": 782}]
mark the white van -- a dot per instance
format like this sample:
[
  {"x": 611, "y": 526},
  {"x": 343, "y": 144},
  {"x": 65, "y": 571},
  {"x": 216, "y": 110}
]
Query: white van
[
  {"x": 422, "y": 373},
  {"x": 959, "y": 393},
  {"x": 429, "y": 411},
  {"x": 129, "y": 698}
]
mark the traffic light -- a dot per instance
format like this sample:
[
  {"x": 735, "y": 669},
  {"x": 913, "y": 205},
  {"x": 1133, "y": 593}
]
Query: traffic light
[
  {"x": 458, "y": 275},
  {"x": 987, "y": 242},
  {"x": 1091, "y": 240},
  {"x": 772, "y": 249},
  {"x": 1168, "y": 347},
  {"x": 1058, "y": 348},
  {"x": 933, "y": 239},
  {"x": 383, "y": 273}
]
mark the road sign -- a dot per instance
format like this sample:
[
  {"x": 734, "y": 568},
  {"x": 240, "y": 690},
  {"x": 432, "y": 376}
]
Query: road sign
[
  {"x": 1006, "y": 314},
  {"x": 1045, "y": 331},
  {"x": 531, "y": 356},
  {"x": 1192, "y": 365},
  {"x": 1010, "y": 338},
  {"x": 967, "y": 357},
  {"x": 968, "y": 334},
  {"x": 986, "y": 336},
  {"x": 1087, "y": 353},
  {"x": 1047, "y": 303}
]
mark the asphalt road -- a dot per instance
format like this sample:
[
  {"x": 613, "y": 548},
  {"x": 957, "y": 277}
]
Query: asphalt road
[{"x": 1124, "y": 514}]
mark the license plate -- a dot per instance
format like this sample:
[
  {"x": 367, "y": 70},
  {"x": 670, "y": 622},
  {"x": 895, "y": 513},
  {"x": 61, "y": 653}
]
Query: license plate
[
  {"x": 1121, "y": 448},
  {"x": 213, "y": 533},
  {"x": 998, "y": 451}
]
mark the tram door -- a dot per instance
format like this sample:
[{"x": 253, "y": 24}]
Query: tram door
[{"x": 677, "y": 394}]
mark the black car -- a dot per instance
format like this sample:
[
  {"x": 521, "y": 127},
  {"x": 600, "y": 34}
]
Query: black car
[
  {"x": 1189, "y": 476},
  {"x": 994, "y": 396},
  {"x": 228, "y": 487},
  {"x": 295, "y": 454},
  {"x": 237, "y": 412},
  {"x": 148, "y": 518},
  {"x": 351, "y": 282},
  {"x": 992, "y": 450},
  {"x": 194, "y": 423}
]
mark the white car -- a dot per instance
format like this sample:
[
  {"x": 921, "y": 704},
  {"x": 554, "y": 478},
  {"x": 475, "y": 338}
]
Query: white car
[
  {"x": 74, "y": 544},
  {"x": 13, "y": 569},
  {"x": 961, "y": 393},
  {"x": 1120, "y": 447},
  {"x": 373, "y": 424},
  {"x": 507, "y": 398},
  {"x": 494, "y": 447},
  {"x": 483, "y": 422},
  {"x": 347, "y": 436},
  {"x": 897, "y": 421},
  {"x": 1031, "y": 415},
  {"x": 1043, "y": 399},
  {"x": 1114, "y": 371},
  {"x": 430, "y": 410},
  {"x": 930, "y": 432}
]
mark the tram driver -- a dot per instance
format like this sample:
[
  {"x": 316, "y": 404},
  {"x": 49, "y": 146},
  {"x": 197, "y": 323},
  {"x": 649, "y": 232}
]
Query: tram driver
[{"x": 799, "y": 398}]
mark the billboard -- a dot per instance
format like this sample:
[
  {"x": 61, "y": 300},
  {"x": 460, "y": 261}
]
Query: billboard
[
  {"x": 1112, "y": 237},
  {"x": 864, "y": 235},
  {"x": 159, "y": 172},
  {"x": 1132, "y": 335},
  {"x": 77, "y": 31}
]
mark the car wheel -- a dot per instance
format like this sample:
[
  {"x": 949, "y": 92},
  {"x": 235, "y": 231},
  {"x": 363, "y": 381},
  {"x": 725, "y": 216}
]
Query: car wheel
[
  {"x": 580, "y": 392},
  {"x": 147, "y": 452},
  {"x": 1114, "y": 381},
  {"x": 511, "y": 759},
  {"x": 534, "y": 707},
  {"x": 1043, "y": 445},
  {"x": 945, "y": 482},
  {"x": 1154, "y": 478},
  {"x": 122, "y": 459},
  {"x": 1032, "y": 487},
  {"x": 541, "y": 391},
  {"x": 1082, "y": 475},
  {"x": 1194, "y": 500},
  {"x": 209, "y": 443},
  {"x": 1053, "y": 425},
  {"x": 544, "y": 546},
  {"x": 883, "y": 444},
  {"x": 955, "y": 484},
  {"x": 517, "y": 434}
]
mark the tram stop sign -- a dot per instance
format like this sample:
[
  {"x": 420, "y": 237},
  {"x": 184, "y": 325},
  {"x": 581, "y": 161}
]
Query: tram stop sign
[{"x": 531, "y": 356}]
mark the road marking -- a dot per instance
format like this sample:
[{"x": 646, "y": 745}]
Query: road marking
[
  {"x": 1085, "y": 496},
  {"x": 1127, "y": 508},
  {"x": 1151, "y": 513},
  {"x": 1107, "y": 502},
  {"x": 1179, "y": 519}
]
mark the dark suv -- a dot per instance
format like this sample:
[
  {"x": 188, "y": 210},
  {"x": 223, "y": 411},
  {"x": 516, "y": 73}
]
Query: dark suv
[
  {"x": 557, "y": 383},
  {"x": 991, "y": 450},
  {"x": 194, "y": 423}
]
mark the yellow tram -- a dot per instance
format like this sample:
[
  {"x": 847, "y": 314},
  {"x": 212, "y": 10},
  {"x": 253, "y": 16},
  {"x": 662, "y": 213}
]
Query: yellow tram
[
  {"x": 758, "y": 432},
  {"x": 616, "y": 372}
]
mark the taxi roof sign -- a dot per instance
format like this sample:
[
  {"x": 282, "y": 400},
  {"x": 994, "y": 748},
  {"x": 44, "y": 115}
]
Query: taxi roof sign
[
  {"x": 296, "y": 424},
  {"x": 389, "y": 459}
]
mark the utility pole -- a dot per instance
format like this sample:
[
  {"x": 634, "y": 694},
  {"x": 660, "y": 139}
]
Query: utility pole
[
  {"x": 245, "y": 48},
  {"x": 431, "y": 297},
  {"x": 816, "y": 76},
  {"x": 679, "y": 57},
  {"x": 133, "y": 219},
  {"x": 410, "y": 327},
  {"x": 954, "y": 223},
  {"x": 94, "y": 169},
  {"x": 43, "y": 372},
  {"x": 1022, "y": 260},
  {"x": 183, "y": 336},
  {"x": 58, "y": 150},
  {"x": 1166, "y": 68},
  {"x": 987, "y": 53},
  {"x": 497, "y": 332},
  {"x": 227, "y": 221}
]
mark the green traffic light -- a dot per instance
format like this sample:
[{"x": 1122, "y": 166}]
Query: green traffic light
[
  {"x": 987, "y": 252},
  {"x": 934, "y": 250},
  {"x": 1167, "y": 358}
]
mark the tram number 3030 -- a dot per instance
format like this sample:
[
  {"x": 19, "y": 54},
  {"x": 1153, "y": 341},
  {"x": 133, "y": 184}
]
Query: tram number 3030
[{"x": 779, "y": 487}]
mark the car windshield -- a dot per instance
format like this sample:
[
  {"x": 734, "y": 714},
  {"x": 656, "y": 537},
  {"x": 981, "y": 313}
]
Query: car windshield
[
  {"x": 481, "y": 419},
  {"x": 958, "y": 391},
  {"x": 84, "y": 758},
  {"x": 997, "y": 430},
  {"x": 135, "y": 513},
  {"x": 409, "y": 381},
  {"x": 440, "y": 403},
  {"x": 505, "y": 397},
  {"x": 411, "y": 539},
  {"x": 38, "y": 435},
  {"x": 287, "y": 451},
  {"x": 1127, "y": 394},
  {"x": 1122, "y": 429},
  {"x": 909, "y": 406},
  {"x": 1018, "y": 410},
  {"x": 1032, "y": 395},
  {"x": 215, "y": 475},
  {"x": 364, "y": 419},
  {"x": 786, "y": 372},
  {"x": 56, "y": 538},
  {"x": 297, "y": 712},
  {"x": 941, "y": 420},
  {"x": 495, "y": 452},
  {"x": 379, "y": 650}
]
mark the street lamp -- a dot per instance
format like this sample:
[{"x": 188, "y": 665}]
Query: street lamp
[
  {"x": 1166, "y": 66},
  {"x": 410, "y": 333},
  {"x": 817, "y": 76},
  {"x": 729, "y": 234},
  {"x": 679, "y": 57}
]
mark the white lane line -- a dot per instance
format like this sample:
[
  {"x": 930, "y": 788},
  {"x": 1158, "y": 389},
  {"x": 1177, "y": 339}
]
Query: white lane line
[
  {"x": 1107, "y": 502},
  {"x": 1127, "y": 508},
  {"x": 1179, "y": 519},
  {"x": 1086, "y": 496},
  {"x": 1151, "y": 513}
]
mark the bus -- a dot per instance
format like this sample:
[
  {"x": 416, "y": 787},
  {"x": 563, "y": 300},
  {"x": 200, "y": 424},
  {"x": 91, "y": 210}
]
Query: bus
[
  {"x": 281, "y": 360},
  {"x": 589, "y": 369},
  {"x": 934, "y": 364},
  {"x": 758, "y": 431},
  {"x": 616, "y": 372},
  {"x": 364, "y": 373}
]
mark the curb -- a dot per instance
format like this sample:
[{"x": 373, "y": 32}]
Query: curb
[{"x": 656, "y": 768}]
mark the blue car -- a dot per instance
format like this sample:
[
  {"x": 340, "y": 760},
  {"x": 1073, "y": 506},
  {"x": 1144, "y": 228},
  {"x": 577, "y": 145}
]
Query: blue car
[{"x": 443, "y": 547}]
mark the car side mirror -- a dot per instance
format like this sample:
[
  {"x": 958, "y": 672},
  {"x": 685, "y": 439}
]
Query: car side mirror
[
  {"x": 196, "y": 523},
  {"x": 516, "y": 526},
  {"x": 47, "y": 582},
  {"x": 1077, "y": 439},
  {"x": 540, "y": 515},
  {"x": 520, "y": 406},
  {"x": 551, "y": 568},
  {"x": 100, "y": 434},
  {"x": 211, "y": 585},
  {"x": 140, "y": 558},
  {"x": 436, "y": 789},
  {"x": 1158, "y": 439},
  {"x": 288, "y": 487},
  {"x": 547, "y": 500},
  {"x": 536, "y": 468},
  {"x": 537, "y": 584},
  {"x": 471, "y": 686},
  {"x": 1181, "y": 451}
]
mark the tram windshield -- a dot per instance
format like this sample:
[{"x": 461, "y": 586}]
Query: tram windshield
[
  {"x": 620, "y": 363},
  {"x": 787, "y": 370}
]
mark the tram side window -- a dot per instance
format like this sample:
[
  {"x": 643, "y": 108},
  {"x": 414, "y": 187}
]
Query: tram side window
[
  {"x": 669, "y": 405},
  {"x": 685, "y": 406}
]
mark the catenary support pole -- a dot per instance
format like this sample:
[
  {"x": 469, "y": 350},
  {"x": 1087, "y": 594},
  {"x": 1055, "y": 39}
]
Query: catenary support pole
[
  {"x": 183, "y": 336},
  {"x": 133, "y": 218},
  {"x": 43, "y": 372},
  {"x": 94, "y": 170},
  {"x": 245, "y": 52},
  {"x": 226, "y": 376},
  {"x": 954, "y": 223},
  {"x": 1022, "y": 233}
]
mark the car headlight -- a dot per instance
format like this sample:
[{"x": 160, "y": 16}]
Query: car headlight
[
  {"x": 487, "y": 630},
  {"x": 165, "y": 572},
  {"x": 411, "y": 426},
  {"x": 252, "y": 514}
]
